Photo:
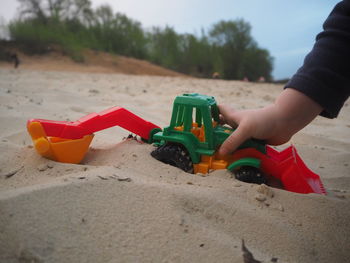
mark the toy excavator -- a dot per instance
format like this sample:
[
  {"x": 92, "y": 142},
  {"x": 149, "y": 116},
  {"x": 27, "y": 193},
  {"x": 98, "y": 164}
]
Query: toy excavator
[{"x": 189, "y": 143}]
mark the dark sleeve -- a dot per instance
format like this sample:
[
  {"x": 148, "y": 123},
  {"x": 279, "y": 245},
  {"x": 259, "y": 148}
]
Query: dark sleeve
[{"x": 325, "y": 74}]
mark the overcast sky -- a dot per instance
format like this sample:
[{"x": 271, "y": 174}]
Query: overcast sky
[{"x": 286, "y": 28}]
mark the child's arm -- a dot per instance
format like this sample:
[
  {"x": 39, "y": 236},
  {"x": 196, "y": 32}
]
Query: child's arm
[
  {"x": 325, "y": 74},
  {"x": 276, "y": 123},
  {"x": 321, "y": 85}
]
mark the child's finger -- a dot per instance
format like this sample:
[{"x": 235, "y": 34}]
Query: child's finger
[{"x": 239, "y": 136}]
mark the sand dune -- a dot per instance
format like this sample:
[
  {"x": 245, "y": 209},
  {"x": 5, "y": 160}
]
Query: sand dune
[
  {"x": 94, "y": 62},
  {"x": 121, "y": 205}
]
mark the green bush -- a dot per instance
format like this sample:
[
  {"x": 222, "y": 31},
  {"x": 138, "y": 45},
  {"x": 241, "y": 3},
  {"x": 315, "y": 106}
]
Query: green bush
[{"x": 36, "y": 38}]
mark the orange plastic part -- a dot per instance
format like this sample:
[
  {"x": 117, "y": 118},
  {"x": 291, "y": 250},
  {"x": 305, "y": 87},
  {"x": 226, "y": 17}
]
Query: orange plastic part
[
  {"x": 215, "y": 162},
  {"x": 58, "y": 149}
]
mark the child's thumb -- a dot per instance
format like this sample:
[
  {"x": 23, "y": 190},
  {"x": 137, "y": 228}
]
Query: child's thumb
[{"x": 228, "y": 115}]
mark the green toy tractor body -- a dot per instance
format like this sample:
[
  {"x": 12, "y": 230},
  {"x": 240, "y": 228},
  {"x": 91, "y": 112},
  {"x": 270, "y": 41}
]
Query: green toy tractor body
[{"x": 195, "y": 126}]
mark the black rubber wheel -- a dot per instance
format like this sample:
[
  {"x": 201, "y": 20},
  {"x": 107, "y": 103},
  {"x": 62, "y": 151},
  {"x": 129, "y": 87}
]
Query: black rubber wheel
[
  {"x": 175, "y": 155},
  {"x": 250, "y": 174}
]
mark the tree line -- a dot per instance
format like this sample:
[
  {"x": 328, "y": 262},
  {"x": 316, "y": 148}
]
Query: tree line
[{"x": 226, "y": 48}]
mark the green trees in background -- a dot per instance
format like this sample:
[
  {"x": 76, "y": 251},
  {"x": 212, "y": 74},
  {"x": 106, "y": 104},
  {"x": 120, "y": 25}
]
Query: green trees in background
[
  {"x": 116, "y": 33},
  {"x": 240, "y": 55},
  {"x": 227, "y": 48}
]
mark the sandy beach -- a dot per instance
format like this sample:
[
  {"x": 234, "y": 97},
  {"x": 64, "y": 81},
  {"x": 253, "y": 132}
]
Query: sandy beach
[{"x": 121, "y": 205}]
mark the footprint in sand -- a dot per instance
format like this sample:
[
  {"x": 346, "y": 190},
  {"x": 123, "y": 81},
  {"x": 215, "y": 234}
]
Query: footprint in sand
[{"x": 77, "y": 109}]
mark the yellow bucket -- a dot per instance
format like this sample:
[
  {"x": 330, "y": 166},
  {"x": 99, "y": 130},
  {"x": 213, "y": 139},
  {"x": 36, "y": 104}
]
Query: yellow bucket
[{"x": 58, "y": 149}]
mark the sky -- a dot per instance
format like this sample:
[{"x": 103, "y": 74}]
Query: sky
[{"x": 286, "y": 28}]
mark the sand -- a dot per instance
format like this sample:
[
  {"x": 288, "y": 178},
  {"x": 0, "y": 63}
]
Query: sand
[{"x": 121, "y": 205}]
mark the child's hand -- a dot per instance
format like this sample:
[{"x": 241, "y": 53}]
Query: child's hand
[{"x": 276, "y": 123}]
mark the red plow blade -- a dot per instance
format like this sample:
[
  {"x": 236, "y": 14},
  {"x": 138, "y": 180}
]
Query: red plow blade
[
  {"x": 286, "y": 166},
  {"x": 294, "y": 174}
]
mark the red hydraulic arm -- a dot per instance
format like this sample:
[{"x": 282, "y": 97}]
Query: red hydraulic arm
[{"x": 94, "y": 122}]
